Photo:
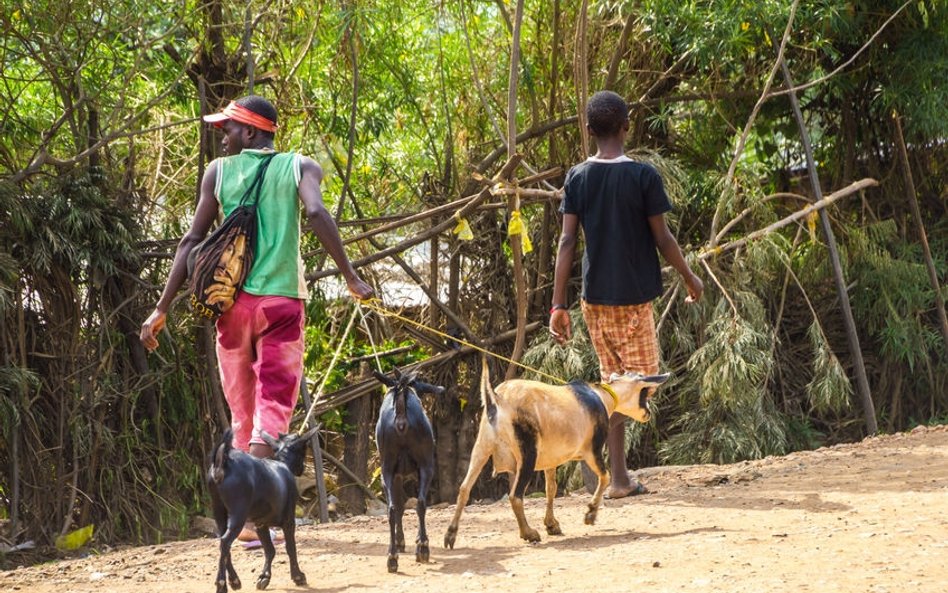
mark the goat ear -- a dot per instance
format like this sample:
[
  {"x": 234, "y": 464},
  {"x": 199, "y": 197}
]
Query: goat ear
[
  {"x": 423, "y": 387},
  {"x": 268, "y": 439},
  {"x": 384, "y": 379},
  {"x": 656, "y": 379},
  {"x": 306, "y": 436}
]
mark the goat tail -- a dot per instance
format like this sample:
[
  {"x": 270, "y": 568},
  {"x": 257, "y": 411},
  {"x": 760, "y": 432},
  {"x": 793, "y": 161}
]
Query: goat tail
[
  {"x": 221, "y": 455},
  {"x": 488, "y": 396}
]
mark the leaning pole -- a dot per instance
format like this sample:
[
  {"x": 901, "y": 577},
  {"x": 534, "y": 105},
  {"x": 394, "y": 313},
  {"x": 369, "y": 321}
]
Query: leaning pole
[{"x": 862, "y": 383}]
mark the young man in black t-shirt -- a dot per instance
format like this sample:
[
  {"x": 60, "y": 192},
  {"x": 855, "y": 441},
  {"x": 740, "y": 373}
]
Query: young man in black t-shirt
[{"x": 620, "y": 205}]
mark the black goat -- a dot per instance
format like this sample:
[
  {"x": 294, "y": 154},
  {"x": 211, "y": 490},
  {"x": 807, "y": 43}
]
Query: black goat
[
  {"x": 264, "y": 491},
  {"x": 406, "y": 447}
]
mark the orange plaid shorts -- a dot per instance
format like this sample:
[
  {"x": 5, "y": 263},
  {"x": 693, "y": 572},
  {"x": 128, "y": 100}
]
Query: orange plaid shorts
[{"x": 624, "y": 338}]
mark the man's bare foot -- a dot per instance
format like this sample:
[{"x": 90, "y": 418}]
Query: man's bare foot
[{"x": 633, "y": 488}]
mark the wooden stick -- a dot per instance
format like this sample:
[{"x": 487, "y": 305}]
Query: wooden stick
[
  {"x": 815, "y": 206},
  {"x": 507, "y": 170},
  {"x": 331, "y": 459},
  {"x": 350, "y": 392},
  {"x": 917, "y": 215}
]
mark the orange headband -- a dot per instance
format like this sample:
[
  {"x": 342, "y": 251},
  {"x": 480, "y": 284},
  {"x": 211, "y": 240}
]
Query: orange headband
[{"x": 243, "y": 115}]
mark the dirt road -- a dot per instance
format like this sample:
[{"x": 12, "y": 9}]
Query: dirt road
[{"x": 868, "y": 517}]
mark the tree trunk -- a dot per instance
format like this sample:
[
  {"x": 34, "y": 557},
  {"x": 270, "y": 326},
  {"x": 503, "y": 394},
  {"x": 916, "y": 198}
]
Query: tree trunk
[{"x": 356, "y": 454}]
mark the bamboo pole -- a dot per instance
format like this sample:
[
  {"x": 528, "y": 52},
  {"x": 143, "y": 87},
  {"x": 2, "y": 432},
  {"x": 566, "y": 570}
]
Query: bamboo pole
[
  {"x": 581, "y": 75},
  {"x": 917, "y": 215},
  {"x": 513, "y": 202},
  {"x": 862, "y": 383}
]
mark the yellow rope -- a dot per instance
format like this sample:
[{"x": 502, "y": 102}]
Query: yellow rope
[{"x": 374, "y": 304}]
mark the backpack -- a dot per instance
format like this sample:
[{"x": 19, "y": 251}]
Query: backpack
[{"x": 219, "y": 265}]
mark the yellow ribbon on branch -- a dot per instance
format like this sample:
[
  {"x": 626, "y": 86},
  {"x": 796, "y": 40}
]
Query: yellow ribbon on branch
[
  {"x": 811, "y": 219},
  {"x": 518, "y": 227},
  {"x": 462, "y": 229}
]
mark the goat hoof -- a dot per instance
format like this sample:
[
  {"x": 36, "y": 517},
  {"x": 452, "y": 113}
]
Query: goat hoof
[
  {"x": 422, "y": 553},
  {"x": 449, "y": 537},
  {"x": 531, "y": 535},
  {"x": 554, "y": 529},
  {"x": 299, "y": 579},
  {"x": 590, "y": 518},
  {"x": 393, "y": 563},
  {"x": 262, "y": 582}
]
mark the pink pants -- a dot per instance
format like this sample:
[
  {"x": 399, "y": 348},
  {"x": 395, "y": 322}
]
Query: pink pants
[{"x": 260, "y": 353}]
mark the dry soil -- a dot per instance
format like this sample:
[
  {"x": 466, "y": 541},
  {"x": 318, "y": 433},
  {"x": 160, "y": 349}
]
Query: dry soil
[{"x": 864, "y": 517}]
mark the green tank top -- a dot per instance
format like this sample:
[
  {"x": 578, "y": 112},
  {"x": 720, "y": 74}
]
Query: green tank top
[{"x": 277, "y": 268}]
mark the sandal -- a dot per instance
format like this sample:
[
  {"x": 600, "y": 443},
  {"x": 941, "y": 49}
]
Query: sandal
[{"x": 275, "y": 537}]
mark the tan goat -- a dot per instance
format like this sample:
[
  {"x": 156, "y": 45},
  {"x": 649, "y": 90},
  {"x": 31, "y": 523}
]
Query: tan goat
[{"x": 529, "y": 426}]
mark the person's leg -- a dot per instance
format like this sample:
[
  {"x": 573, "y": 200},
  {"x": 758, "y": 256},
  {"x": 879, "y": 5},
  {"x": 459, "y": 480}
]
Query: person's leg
[
  {"x": 621, "y": 483},
  {"x": 599, "y": 318},
  {"x": 639, "y": 353},
  {"x": 236, "y": 357},
  {"x": 632, "y": 331},
  {"x": 279, "y": 366}
]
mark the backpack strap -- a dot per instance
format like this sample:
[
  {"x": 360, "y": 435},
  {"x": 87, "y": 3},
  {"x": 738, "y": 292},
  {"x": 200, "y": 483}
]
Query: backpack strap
[{"x": 257, "y": 182}]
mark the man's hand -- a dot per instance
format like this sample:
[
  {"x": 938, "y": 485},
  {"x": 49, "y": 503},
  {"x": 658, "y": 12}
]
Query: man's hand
[
  {"x": 359, "y": 289},
  {"x": 695, "y": 287},
  {"x": 561, "y": 325},
  {"x": 154, "y": 324}
]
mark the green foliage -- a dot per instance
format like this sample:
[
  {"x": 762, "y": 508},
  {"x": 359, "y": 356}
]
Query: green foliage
[
  {"x": 727, "y": 412},
  {"x": 893, "y": 292},
  {"x": 574, "y": 360},
  {"x": 829, "y": 390}
]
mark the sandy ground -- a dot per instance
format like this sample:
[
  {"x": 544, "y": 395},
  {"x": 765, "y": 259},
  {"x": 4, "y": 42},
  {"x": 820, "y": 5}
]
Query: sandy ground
[{"x": 867, "y": 517}]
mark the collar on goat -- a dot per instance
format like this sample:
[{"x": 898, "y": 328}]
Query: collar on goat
[{"x": 608, "y": 389}]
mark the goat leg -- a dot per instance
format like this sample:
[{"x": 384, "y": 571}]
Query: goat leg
[
  {"x": 552, "y": 525},
  {"x": 393, "y": 517},
  {"x": 225, "y": 567},
  {"x": 220, "y": 518},
  {"x": 598, "y": 465},
  {"x": 425, "y": 473},
  {"x": 269, "y": 551},
  {"x": 289, "y": 535},
  {"x": 398, "y": 491},
  {"x": 516, "y": 504},
  {"x": 479, "y": 456},
  {"x": 527, "y": 439}
]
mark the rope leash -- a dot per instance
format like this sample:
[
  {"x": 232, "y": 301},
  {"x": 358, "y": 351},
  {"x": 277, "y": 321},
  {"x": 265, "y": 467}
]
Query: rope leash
[
  {"x": 374, "y": 305},
  {"x": 368, "y": 332}
]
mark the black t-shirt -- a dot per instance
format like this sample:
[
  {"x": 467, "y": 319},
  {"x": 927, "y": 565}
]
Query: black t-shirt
[{"x": 614, "y": 199}]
